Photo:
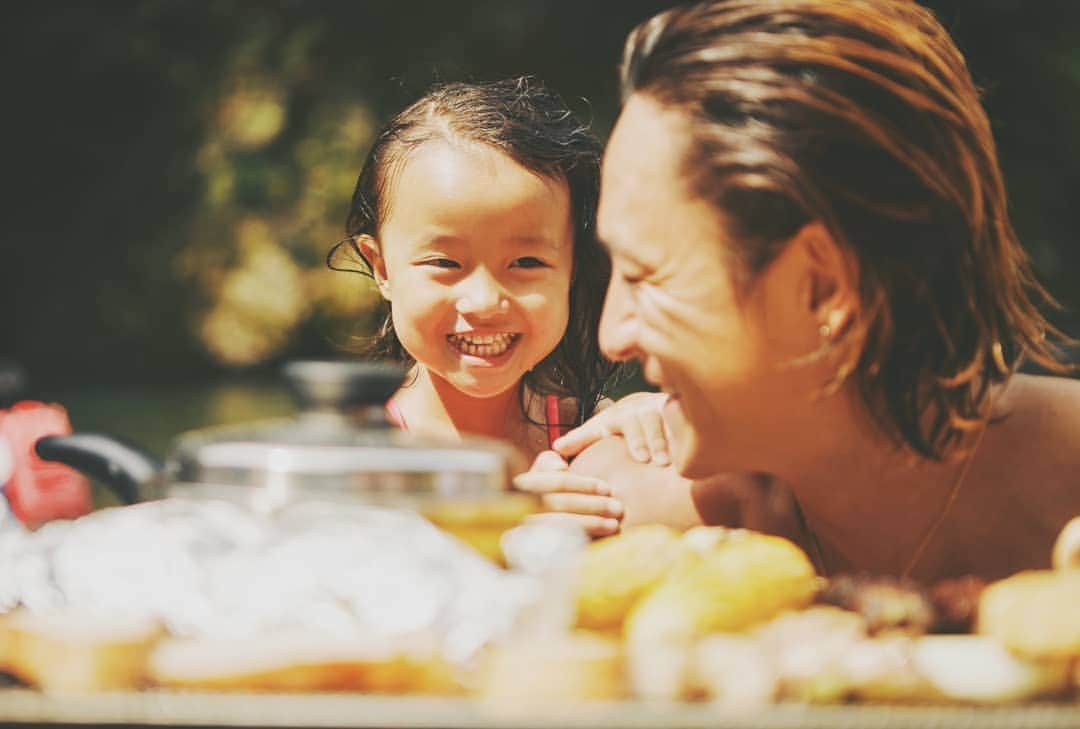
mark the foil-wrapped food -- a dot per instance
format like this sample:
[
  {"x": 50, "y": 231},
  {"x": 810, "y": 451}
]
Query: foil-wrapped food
[{"x": 316, "y": 596}]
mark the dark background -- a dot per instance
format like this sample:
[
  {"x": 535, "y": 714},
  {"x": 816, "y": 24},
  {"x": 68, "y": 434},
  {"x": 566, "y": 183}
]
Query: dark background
[{"x": 131, "y": 186}]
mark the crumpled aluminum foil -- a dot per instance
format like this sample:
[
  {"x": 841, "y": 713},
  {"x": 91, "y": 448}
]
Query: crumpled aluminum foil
[{"x": 214, "y": 569}]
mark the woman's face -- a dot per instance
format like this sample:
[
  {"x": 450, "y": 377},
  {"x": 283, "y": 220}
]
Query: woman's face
[
  {"x": 673, "y": 305},
  {"x": 476, "y": 258}
]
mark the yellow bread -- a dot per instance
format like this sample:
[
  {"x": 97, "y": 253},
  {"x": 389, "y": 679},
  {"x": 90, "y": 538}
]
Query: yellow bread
[
  {"x": 1034, "y": 613},
  {"x": 1066, "y": 554},
  {"x": 74, "y": 653},
  {"x": 616, "y": 572},
  {"x": 745, "y": 579},
  {"x": 298, "y": 661}
]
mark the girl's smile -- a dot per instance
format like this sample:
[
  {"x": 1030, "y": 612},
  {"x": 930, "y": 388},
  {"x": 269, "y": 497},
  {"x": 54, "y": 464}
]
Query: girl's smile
[{"x": 484, "y": 350}]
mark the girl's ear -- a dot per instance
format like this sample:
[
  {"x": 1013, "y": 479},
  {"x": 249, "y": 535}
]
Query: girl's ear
[
  {"x": 372, "y": 252},
  {"x": 830, "y": 289}
]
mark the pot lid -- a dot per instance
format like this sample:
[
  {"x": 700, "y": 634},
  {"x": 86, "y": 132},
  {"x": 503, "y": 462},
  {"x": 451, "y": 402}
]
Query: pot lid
[{"x": 341, "y": 440}]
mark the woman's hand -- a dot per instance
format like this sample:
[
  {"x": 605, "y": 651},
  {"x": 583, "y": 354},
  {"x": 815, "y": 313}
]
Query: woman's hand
[
  {"x": 583, "y": 499},
  {"x": 636, "y": 417}
]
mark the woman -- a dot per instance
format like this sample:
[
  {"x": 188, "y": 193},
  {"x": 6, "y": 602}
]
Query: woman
[{"x": 812, "y": 256}]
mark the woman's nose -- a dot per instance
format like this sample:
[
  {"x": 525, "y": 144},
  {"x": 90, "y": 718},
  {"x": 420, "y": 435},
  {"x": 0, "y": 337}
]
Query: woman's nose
[
  {"x": 481, "y": 295},
  {"x": 617, "y": 324}
]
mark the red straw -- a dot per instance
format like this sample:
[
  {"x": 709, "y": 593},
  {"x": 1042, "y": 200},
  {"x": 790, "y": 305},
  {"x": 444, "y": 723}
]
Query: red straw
[{"x": 553, "y": 427}]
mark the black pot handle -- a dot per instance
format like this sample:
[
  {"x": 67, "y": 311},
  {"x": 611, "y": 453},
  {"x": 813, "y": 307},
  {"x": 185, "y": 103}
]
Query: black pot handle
[{"x": 125, "y": 469}]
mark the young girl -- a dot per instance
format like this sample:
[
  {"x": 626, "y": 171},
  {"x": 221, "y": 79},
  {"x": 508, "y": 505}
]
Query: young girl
[{"x": 474, "y": 213}]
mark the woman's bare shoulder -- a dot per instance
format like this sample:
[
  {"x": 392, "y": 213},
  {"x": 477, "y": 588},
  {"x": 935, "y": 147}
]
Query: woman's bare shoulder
[
  {"x": 1042, "y": 412},
  {"x": 1033, "y": 448}
]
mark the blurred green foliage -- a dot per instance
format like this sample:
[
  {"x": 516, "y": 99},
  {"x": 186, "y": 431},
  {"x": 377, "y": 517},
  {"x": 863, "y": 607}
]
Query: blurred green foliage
[{"x": 180, "y": 170}]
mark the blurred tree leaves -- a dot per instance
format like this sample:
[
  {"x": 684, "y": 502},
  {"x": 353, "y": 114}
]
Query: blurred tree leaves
[{"x": 181, "y": 170}]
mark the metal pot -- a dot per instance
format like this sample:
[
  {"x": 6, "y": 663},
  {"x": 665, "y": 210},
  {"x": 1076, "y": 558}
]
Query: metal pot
[{"x": 340, "y": 446}]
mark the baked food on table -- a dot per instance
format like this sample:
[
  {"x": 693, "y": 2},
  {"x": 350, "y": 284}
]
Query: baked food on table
[{"x": 204, "y": 596}]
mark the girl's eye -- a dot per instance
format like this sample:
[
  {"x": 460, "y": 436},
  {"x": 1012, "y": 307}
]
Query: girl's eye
[
  {"x": 529, "y": 262},
  {"x": 441, "y": 263}
]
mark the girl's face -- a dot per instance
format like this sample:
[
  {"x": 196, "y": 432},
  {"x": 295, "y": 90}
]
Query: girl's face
[
  {"x": 476, "y": 256},
  {"x": 673, "y": 305}
]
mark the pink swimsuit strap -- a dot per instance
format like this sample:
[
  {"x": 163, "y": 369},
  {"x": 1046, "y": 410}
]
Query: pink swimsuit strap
[
  {"x": 395, "y": 416},
  {"x": 551, "y": 413}
]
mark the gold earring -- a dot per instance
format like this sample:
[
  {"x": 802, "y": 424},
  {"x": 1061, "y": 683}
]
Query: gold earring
[{"x": 825, "y": 331}]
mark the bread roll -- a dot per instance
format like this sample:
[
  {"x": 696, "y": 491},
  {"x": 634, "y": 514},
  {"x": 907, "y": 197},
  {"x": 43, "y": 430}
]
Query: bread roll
[
  {"x": 745, "y": 579},
  {"x": 68, "y": 652},
  {"x": 618, "y": 571},
  {"x": 299, "y": 661},
  {"x": 1034, "y": 614},
  {"x": 1066, "y": 553}
]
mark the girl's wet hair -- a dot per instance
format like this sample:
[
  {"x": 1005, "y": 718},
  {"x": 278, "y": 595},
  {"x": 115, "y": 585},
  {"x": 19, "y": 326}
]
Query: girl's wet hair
[
  {"x": 860, "y": 114},
  {"x": 533, "y": 126}
]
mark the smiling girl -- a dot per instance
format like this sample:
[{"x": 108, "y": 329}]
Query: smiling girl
[{"x": 474, "y": 213}]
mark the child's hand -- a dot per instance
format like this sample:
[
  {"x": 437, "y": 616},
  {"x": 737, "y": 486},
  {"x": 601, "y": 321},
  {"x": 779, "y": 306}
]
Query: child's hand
[
  {"x": 637, "y": 418},
  {"x": 587, "y": 500}
]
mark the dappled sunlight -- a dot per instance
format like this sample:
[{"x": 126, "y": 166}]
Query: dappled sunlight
[
  {"x": 275, "y": 189},
  {"x": 259, "y": 301},
  {"x": 253, "y": 115}
]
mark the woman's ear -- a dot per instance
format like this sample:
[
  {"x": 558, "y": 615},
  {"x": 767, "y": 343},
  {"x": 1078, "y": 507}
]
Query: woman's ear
[
  {"x": 831, "y": 287},
  {"x": 372, "y": 253}
]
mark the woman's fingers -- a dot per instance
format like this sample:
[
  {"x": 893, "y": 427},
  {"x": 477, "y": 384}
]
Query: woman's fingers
[
  {"x": 570, "y": 444},
  {"x": 594, "y": 526},
  {"x": 584, "y": 504},
  {"x": 549, "y": 482},
  {"x": 634, "y": 435},
  {"x": 637, "y": 418},
  {"x": 586, "y": 500},
  {"x": 655, "y": 437},
  {"x": 549, "y": 461}
]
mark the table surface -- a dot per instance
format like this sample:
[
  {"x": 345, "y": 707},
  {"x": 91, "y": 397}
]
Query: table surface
[{"x": 170, "y": 708}]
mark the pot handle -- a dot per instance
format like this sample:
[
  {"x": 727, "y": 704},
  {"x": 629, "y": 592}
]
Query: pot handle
[{"x": 125, "y": 469}]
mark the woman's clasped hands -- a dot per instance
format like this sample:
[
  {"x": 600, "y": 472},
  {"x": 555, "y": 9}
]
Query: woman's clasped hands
[{"x": 599, "y": 505}]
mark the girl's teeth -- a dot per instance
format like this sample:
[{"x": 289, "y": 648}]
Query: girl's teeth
[{"x": 486, "y": 345}]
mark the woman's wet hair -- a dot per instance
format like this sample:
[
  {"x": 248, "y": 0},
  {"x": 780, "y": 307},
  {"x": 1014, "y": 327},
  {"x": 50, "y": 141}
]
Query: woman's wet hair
[
  {"x": 532, "y": 125},
  {"x": 860, "y": 114}
]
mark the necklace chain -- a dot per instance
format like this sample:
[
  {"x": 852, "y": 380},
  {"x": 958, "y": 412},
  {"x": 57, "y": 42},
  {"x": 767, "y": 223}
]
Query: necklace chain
[
  {"x": 818, "y": 555},
  {"x": 917, "y": 555}
]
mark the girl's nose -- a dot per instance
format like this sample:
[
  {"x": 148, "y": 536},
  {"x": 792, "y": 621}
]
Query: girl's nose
[{"x": 481, "y": 295}]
